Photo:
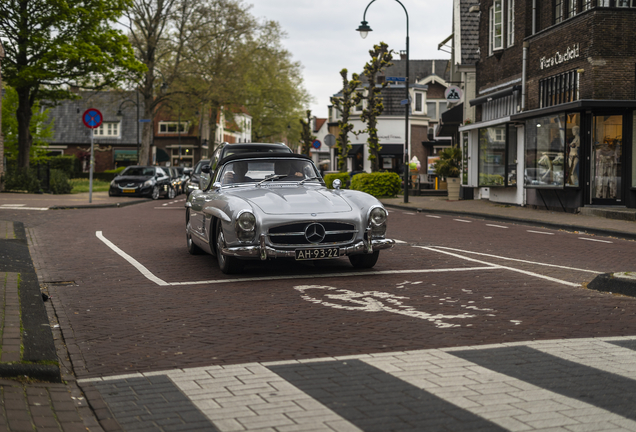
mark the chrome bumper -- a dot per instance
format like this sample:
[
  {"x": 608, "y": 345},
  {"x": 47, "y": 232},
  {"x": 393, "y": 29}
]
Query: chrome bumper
[{"x": 264, "y": 252}]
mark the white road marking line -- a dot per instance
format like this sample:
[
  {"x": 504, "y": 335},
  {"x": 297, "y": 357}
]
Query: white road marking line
[
  {"x": 496, "y": 226},
  {"x": 169, "y": 208},
  {"x": 399, "y": 241},
  {"x": 518, "y": 260},
  {"x": 436, "y": 217},
  {"x": 408, "y": 213},
  {"x": 143, "y": 270},
  {"x": 595, "y": 240},
  {"x": 504, "y": 267},
  {"x": 14, "y": 207},
  {"x": 332, "y": 275},
  {"x": 462, "y": 220},
  {"x": 540, "y": 232}
]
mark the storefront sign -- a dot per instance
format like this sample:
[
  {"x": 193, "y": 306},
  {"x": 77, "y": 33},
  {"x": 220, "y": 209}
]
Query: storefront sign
[
  {"x": 558, "y": 57},
  {"x": 430, "y": 164},
  {"x": 390, "y": 137}
]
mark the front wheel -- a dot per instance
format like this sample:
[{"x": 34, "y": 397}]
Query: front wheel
[
  {"x": 155, "y": 193},
  {"x": 227, "y": 264},
  {"x": 364, "y": 261}
]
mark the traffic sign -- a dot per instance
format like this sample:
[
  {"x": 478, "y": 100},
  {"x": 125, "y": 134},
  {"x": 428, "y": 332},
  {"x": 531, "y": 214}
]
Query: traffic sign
[
  {"x": 92, "y": 118},
  {"x": 396, "y": 79},
  {"x": 330, "y": 140},
  {"x": 316, "y": 144},
  {"x": 453, "y": 94}
]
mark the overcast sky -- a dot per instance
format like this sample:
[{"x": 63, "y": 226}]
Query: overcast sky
[{"x": 322, "y": 36}]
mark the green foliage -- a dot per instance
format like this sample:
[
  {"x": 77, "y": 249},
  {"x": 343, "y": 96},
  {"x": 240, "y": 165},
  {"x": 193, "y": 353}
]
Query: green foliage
[
  {"x": 41, "y": 129},
  {"x": 449, "y": 162},
  {"x": 344, "y": 180},
  {"x": 115, "y": 171},
  {"x": 59, "y": 182},
  {"x": 306, "y": 138},
  {"x": 21, "y": 179},
  {"x": 69, "y": 165},
  {"x": 344, "y": 104},
  {"x": 381, "y": 58},
  {"x": 378, "y": 184},
  {"x": 50, "y": 44},
  {"x": 80, "y": 185},
  {"x": 490, "y": 180}
]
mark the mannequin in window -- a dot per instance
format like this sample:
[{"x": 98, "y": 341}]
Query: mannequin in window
[{"x": 573, "y": 157}]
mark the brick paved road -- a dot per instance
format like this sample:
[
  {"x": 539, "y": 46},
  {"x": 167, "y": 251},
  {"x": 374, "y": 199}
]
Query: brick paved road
[{"x": 427, "y": 293}]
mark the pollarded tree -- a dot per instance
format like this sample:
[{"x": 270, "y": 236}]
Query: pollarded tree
[
  {"x": 306, "y": 138},
  {"x": 381, "y": 58},
  {"x": 53, "y": 44},
  {"x": 349, "y": 99}
]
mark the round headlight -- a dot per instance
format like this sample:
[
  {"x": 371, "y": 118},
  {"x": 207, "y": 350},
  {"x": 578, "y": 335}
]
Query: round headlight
[
  {"x": 246, "y": 221},
  {"x": 378, "y": 216},
  {"x": 149, "y": 182}
]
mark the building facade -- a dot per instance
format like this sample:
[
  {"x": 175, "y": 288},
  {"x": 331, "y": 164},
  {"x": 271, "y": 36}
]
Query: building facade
[{"x": 555, "y": 105}]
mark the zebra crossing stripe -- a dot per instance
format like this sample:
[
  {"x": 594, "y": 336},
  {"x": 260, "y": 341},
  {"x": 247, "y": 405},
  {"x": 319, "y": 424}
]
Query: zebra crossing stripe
[{"x": 584, "y": 384}]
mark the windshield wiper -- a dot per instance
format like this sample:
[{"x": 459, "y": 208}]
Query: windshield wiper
[
  {"x": 272, "y": 177},
  {"x": 307, "y": 179}
]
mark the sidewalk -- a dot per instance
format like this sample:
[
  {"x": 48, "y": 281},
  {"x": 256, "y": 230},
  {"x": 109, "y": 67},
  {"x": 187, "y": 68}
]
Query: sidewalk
[
  {"x": 483, "y": 209},
  {"x": 19, "y": 201}
]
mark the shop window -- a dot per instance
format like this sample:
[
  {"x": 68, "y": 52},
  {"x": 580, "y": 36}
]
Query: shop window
[
  {"x": 546, "y": 155},
  {"x": 511, "y": 22},
  {"x": 498, "y": 156},
  {"x": 558, "y": 89},
  {"x": 496, "y": 26}
]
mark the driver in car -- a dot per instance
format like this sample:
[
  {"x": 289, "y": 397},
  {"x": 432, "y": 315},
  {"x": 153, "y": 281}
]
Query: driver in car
[{"x": 291, "y": 169}]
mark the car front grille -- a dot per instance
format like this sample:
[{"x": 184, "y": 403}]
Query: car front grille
[
  {"x": 128, "y": 185},
  {"x": 294, "y": 234}
]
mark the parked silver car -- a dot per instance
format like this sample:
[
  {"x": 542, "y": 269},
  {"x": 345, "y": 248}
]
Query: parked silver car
[{"x": 276, "y": 205}]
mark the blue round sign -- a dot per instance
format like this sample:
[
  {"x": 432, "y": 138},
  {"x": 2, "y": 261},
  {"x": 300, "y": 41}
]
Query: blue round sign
[
  {"x": 92, "y": 118},
  {"x": 316, "y": 144}
]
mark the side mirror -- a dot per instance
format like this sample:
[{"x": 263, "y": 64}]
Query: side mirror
[
  {"x": 206, "y": 169},
  {"x": 216, "y": 185}
]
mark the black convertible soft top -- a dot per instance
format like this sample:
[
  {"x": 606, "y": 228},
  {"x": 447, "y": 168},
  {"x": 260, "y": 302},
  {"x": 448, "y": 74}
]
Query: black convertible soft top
[{"x": 263, "y": 155}]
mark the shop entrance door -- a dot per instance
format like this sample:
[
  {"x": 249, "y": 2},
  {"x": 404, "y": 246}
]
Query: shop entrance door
[{"x": 607, "y": 153}]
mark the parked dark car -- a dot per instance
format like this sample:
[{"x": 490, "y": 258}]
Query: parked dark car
[
  {"x": 145, "y": 181},
  {"x": 175, "y": 180},
  {"x": 227, "y": 149}
]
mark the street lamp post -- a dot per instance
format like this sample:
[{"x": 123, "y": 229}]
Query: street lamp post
[
  {"x": 364, "y": 30},
  {"x": 121, "y": 114}
]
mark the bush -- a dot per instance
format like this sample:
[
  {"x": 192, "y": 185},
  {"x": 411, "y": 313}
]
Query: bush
[
  {"x": 103, "y": 176},
  {"x": 344, "y": 179},
  {"x": 69, "y": 165},
  {"x": 59, "y": 182},
  {"x": 378, "y": 184},
  {"x": 16, "y": 179}
]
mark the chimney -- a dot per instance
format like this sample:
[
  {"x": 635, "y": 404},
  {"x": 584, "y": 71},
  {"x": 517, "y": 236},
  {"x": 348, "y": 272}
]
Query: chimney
[{"x": 402, "y": 55}]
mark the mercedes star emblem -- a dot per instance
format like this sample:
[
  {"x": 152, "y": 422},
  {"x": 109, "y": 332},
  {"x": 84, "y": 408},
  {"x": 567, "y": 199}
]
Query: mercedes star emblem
[{"x": 315, "y": 233}]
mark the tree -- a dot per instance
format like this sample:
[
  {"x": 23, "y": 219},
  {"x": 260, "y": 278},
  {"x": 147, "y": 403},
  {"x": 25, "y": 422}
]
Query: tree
[
  {"x": 381, "y": 58},
  {"x": 306, "y": 138},
  {"x": 54, "y": 44},
  {"x": 349, "y": 99},
  {"x": 41, "y": 128}
]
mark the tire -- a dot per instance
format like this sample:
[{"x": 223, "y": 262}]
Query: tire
[
  {"x": 171, "y": 193},
  {"x": 364, "y": 261},
  {"x": 155, "y": 193},
  {"x": 227, "y": 264}
]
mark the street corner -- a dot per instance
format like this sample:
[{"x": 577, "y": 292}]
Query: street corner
[{"x": 617, "y": 283}]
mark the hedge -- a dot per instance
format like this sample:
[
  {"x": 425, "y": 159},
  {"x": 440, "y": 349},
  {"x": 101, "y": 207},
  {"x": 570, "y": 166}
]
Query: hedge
[
  {"x": 70, "y": 165},
  {"x": 104, "y": 176},
  {"x": 344, "y": 179},
  {"x": 59, "y": 182},
  {"x": 378, "y": 184}
]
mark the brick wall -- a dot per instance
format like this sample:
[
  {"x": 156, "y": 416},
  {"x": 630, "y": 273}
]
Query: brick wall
[{"x": 419, "y": 134}]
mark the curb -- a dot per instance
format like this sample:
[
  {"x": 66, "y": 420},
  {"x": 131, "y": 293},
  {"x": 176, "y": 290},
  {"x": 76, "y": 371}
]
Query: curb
[
  {"x": 85, "y": 206},
  {"x": 531, "y": 222},
  {"x": 622, "y": 283},
  {"x": 48, "y": 373}
]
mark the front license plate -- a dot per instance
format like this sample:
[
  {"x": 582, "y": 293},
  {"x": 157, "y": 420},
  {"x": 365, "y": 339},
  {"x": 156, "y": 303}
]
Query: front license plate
[
  {"x": 128, "y": 191},
  {"x": 312, "y": 254}
]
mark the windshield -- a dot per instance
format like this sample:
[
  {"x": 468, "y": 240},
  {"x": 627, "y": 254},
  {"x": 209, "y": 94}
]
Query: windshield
[
  {"x": 249, "y": 171},
  {"x": 139, "y": 171}
]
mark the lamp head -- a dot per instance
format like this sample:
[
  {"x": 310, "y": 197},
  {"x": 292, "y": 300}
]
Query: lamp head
[
  {"x": 364, "y": 29},
  {"x": 119, "y": 113}
]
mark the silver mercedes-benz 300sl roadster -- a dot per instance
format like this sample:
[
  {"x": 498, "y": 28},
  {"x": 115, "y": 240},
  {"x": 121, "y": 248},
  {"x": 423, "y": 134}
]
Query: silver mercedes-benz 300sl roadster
[{"x": 259, "y": 206}]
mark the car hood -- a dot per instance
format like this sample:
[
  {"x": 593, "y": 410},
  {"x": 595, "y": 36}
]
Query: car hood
[
  {"x": 294, "y": 200},
  {"x": 132, "y": 178}
]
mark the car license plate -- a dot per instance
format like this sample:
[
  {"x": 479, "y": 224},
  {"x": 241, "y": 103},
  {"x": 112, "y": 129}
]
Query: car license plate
[
  {"x": 128, "y": 191},
  {"x": 312, "y": 254}
]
